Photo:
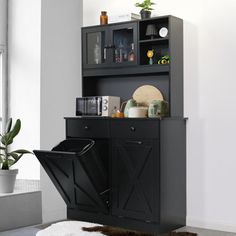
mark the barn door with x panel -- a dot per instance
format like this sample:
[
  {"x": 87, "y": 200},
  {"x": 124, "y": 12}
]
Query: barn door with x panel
[{"x": 135, "y": 179}]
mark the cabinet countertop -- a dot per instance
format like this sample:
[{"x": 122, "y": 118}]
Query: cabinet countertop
[{"x": 110, "y": 118}]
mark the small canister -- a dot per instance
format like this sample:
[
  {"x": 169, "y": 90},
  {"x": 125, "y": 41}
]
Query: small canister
[
  {"x": 158, "y": 108},
  {"x": 138, "y": 112}
]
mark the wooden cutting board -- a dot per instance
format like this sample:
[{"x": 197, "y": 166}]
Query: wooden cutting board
[{"x": 145, "y": 94}]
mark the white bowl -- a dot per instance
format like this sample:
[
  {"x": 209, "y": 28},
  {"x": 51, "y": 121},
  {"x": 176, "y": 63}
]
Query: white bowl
[{"x": 138, "y": 112}]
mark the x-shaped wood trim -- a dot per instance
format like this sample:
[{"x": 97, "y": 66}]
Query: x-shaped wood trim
[{"x": 134, "y": 174}]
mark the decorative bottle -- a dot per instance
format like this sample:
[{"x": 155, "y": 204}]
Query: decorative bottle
[
  {"x": 117, "y": 55},
  {"x": 97, "y": 52},
  {"x": 121, "y": 51},
  {"x": 131, "y": 56},
  {"x": 103, "y": 18}
]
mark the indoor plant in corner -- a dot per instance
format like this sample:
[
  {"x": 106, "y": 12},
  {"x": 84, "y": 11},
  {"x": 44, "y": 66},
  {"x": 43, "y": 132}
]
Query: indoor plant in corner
[
  {"x": 8, "y": 157},
  {"x": 146, "y": 7}
]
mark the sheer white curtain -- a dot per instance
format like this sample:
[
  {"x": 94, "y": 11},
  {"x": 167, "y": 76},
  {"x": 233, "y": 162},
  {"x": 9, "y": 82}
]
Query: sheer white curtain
[{"x": 3, "y": 62}]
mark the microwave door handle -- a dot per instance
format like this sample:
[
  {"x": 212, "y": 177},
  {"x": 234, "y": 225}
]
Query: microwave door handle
[
  {"x": 99, "y": 102},
  {"x": 85, "y": 106}
]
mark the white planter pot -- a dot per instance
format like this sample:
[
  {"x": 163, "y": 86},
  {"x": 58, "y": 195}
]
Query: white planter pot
[{"x": 7, "y": 180}]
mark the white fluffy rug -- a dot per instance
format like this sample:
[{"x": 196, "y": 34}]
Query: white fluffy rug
[{"x": 68, "y": 228}]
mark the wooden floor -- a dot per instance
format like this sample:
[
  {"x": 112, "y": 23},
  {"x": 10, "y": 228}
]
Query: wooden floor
[{"x": 31, "y": 231}]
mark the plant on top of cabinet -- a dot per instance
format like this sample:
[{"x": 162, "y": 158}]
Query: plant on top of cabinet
[{"x": 146, "y": 8}]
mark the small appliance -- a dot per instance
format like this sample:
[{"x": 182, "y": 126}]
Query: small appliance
[{"x": 97, "y": 105}]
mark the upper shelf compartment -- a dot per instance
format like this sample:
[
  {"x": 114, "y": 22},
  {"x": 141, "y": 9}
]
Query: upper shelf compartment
[
  {"x": 147, "y": 46},
  {"x": 154, "y": 41},
  {"x": 154, "y": 28},
  {"x": 110, "y": 74}
]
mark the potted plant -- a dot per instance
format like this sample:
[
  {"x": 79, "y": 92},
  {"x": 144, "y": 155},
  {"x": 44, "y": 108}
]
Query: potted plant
[
  {"x": 8, "y": 157},
  {"x": 146, "y": 7}
]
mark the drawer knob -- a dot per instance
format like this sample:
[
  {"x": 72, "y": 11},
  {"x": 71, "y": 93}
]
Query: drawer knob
[
  {"x": 86, "y": 127},
  {"x": 132, "y": 128}
]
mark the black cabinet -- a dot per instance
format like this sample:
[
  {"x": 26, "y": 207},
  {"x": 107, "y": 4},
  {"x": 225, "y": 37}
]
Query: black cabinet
[
  {"x": 112, "y": 45},
  {"x": 136, "y": 179},
  {"x": 145, "y": 164}
]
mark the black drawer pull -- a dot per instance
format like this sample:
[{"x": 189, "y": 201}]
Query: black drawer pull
[
  {"x": 86, "y": 127},
  {"x": 132, "y": 128},
  {"x": 135, "y": 142}
]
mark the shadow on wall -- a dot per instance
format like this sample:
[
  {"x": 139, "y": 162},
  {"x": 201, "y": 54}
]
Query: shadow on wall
[{"x": 196, "y": 165}]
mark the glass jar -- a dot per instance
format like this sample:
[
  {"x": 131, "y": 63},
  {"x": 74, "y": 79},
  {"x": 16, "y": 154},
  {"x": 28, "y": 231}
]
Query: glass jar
[{"x": 103, "y": 18}]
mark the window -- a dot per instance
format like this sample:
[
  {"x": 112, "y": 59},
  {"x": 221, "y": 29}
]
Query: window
[
  {"x": 1, "y": 103},
  {"x": 3, "y": 62},
  {"x": 2, "y": 86}
]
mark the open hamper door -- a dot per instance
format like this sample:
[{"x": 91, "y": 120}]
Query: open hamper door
[{"x": 78, "y": 174}]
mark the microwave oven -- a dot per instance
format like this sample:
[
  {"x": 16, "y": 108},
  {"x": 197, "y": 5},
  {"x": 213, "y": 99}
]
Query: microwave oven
[{"x": 97, "y": 105}]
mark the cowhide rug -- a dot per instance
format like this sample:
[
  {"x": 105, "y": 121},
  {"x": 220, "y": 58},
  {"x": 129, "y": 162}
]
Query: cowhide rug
[
  {"x": 113, "y": 231},
  {"x": 78, "y": 228}
]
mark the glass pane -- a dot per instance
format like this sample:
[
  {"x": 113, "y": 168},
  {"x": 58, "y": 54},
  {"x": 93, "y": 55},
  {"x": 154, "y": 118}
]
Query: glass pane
[
  {"x": 1, "y": 92},
  {"x": 95, "y": 48},
  {"x": 124, "y": 45}
]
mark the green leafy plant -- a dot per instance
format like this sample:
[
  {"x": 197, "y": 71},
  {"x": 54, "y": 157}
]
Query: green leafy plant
[
  {"x": 7, "y": 157},
  {"x": 145, "y": 5}
]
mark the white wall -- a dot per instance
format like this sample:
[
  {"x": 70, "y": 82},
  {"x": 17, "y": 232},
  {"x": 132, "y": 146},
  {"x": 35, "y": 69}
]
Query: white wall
[
  {"x": 209, "y": 53},
  {"x": 24, "y": 79},
  {"x": 60, "y": 84}
]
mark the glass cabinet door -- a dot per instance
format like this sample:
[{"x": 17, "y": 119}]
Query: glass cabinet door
[
  {"x": 124, "y": 39},
  {"x": 94, "y": 48},
  {"x": 110, "y": 45}
]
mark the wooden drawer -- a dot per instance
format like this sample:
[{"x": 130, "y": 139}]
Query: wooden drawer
[
  {"x": 133, "y": 128},
  {"x": 87, "y": 128}
]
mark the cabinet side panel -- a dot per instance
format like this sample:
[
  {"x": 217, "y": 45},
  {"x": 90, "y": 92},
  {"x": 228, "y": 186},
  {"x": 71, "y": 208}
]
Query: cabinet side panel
[
  {"x": 173, "y": 172},
  {"x": 176, "y": 66}
]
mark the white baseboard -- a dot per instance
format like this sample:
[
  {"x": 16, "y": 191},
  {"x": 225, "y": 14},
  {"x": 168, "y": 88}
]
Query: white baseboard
[{"x": 214, "y": 225}]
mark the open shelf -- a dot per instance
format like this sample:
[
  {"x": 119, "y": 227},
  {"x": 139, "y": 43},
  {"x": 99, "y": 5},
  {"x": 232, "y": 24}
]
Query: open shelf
[
  {"x": 159, "y": 48},
  {"x": 158, "y": 23},
  {"x": 114, "y": 86},
  {"x": 132, "y": 70},
  {"x": 153, "y": 40}
]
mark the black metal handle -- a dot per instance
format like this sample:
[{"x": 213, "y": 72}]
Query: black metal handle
[
  {"x": 132, "y": 128},
  {"x": 135, "y": 142}
]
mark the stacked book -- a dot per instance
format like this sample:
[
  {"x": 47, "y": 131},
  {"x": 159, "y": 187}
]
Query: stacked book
[{"x": 123, "y": 17}]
